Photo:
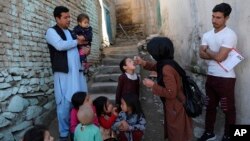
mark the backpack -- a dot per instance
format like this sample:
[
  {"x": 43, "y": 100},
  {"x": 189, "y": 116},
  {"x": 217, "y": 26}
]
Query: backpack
[{"x": 194, "y": 97}]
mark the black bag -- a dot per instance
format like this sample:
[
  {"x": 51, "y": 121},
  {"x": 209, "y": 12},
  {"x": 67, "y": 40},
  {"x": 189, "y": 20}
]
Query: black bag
[{"x": 194, "y": 97}]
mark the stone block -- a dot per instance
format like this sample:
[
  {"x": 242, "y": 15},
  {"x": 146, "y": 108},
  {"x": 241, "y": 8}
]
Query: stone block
[
  {"x": 44, "y": 87},
  {"x": 4, "y": 73},
  {"x": 33, "y": 112},
  {"x": 17, "y": 104},
  {"x": 33, "y": 101},
  {"x": 4, "y": 122},
  {"x": 9, "y": 115},
  {"x": 24, "y": 82},
  {"x": 34, "y": 81},
  {"x": 5, "y": 94},
  {"x": 21, "y": 126},
  {"x": 4, "y": 85},
  {"x": 9, "y": 78},
  {"x": 23, "y": 89},
  {"x": 50, "y": 105},
  {"x": 8, "y": 137},
  {"x": 17, "y": 78}
]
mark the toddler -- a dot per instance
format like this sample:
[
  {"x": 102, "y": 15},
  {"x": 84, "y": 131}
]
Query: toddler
[
  {"x": 86, "y": 130},
  {"x": 78, "y": 99},
  {"x": 85, "y": 30},
  {"x": 130, "y": 123},
  {"x": 106, "y": 114}
]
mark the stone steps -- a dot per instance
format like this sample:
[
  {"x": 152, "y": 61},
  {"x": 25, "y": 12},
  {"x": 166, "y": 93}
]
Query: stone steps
[
  {"x": 109, "y": 69},
  {"x": 113, "y": 56},
  {"x": 106, "y": 77},
  {"x": 103, "y": 87}
]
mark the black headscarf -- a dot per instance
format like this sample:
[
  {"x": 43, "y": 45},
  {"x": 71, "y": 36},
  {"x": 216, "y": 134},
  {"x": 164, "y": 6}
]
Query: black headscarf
[{"x": 162, "y": 50}]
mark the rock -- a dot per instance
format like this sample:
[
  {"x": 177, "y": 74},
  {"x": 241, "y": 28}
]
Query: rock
[
  {"x": 16, "y": 71},
  {"x": 14, "y": 90},
  {"x": 33, "y": 101},
  {"x": 1, "y": 136},
  {"x": 44, "y": 88},
  {"x": 33, "y": 112},
  {"x": 17, "y": 78},
  {"x": 8, "y": 137},
  {"x": 22, "y": 90},
  {"x": 4, "y": 122},
  {"x": 9, "y": 115},
  {"x": 49, "y": 105},
  {"x": 17, "y": 104},
  {"x": 34, "y": 81},
  {"x": 5, "y": 73},
  {"x": 21, "y": 126},
  {"x": 1, "y": 79},
  {"x": 5, "y": 94},
  {"x": 25, "y": 81},
  {"x": 4, "y": 85},
  {"x": 8, "y": 79}
]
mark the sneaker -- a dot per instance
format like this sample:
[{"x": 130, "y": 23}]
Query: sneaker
[
  {"x": 226, "y": 138},
  {"x": 207, "y": 137}
]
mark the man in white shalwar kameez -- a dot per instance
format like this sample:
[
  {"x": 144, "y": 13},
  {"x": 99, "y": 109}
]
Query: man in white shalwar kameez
[{"x": 69, "y": 79}]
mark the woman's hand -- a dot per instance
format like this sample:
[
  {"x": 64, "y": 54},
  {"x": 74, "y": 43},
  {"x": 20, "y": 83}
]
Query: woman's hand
[
  {"x": 139, "y": 61},
  {"x": 148, "y": 82}
]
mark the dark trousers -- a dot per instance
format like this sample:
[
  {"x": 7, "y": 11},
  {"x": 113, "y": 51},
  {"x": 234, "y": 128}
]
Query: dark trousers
[
  {"x": 136, "y": 135},
  {"x": 220, "y": 90}
]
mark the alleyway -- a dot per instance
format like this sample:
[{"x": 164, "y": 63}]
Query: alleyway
[{"x": 104, "y": 82}]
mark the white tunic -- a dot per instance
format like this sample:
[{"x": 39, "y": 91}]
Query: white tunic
[
  {"x": 66, "y": 84},
  {"x": 224, "y": 38}
]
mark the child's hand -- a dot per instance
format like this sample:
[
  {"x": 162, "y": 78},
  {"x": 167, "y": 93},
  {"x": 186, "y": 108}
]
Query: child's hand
[{"x": 123, "y": 126}]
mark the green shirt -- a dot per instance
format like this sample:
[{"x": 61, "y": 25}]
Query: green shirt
[{"x": 87, "y": 133}]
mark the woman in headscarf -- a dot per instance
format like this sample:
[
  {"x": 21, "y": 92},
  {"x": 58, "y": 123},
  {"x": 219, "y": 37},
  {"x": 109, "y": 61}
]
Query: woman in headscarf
[{"x": 177, "y": 124}]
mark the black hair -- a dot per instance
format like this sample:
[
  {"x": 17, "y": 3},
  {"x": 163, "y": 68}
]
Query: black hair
[
  {"x": 81, "y": 17},
  {"x": 36, "y": 133},
  {"x": 133, "y": 102},
  {"x": 223, "y": 8},
  {"x": 99, "y": 103},
  {"x": 60, "y": 9},
  {"x": 78, "y": 99},
  {"x": 161, "y": 48},
  {"x": 122, "y": 64}
]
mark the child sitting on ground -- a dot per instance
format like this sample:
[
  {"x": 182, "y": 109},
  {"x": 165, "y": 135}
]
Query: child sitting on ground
[
  {"x": 86, "y": 130},
  {"x": 78, "y": 99},
  {"x": 85, "y": 30},
  {"x": 130, "y": 124},
  {"x": 38, "y": 133},
  {"x": 128, "y": 81},
  {"x": 106, "y": 114}
]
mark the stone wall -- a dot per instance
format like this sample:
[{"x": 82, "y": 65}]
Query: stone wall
[
  {"x": 131, "y": 15},
  {"x": 185, "y": 22},
  {"x": 26, "y": 83}
]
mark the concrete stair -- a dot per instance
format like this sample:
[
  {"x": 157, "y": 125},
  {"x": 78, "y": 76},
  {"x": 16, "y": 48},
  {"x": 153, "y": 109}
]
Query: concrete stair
[{"x": 104, "y": 82}]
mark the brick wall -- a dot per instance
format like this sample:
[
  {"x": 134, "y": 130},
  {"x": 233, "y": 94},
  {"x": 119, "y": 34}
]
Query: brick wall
[{"x": 26, "y": 84}]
